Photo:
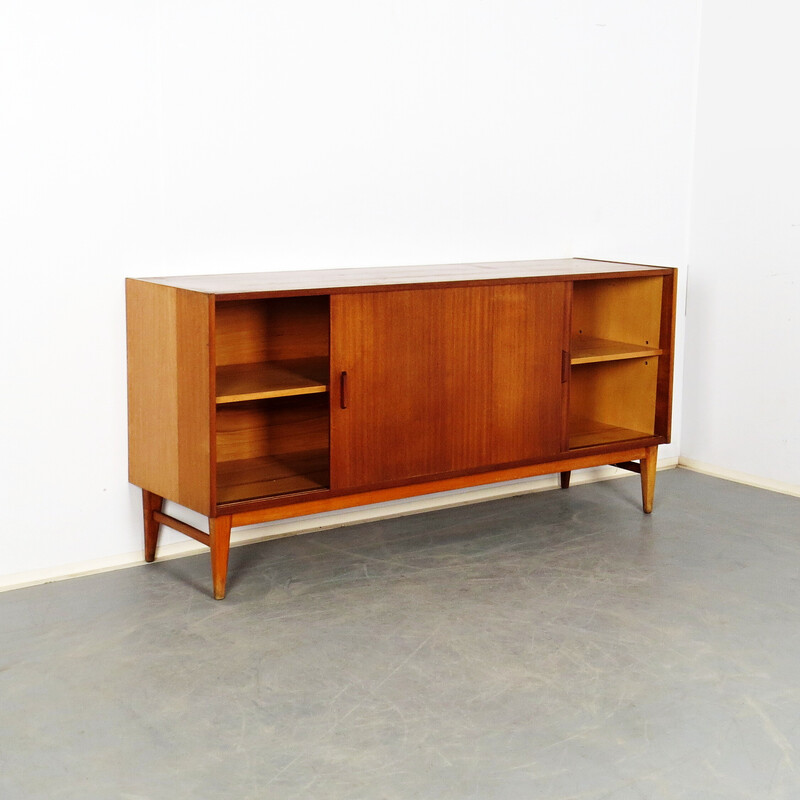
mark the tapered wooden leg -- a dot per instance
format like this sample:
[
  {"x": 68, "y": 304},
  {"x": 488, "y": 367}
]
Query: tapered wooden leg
[
  {"x": 648, "y": 473},
  {"x": 150, "y": 503},
  {"x": 565, "y": 476},
  {"x": 219, "y": 531}
]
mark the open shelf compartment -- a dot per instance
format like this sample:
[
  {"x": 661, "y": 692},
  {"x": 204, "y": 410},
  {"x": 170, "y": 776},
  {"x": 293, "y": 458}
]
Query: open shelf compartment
[
  {"x": 616, "y": 319},
  {"x": 612, "y": 402},
  {"x": 615, "y": 347},
  {"x": 272, "y": 407},
  {"x": 270, "y": 476},
  {"x": 272, "y": 447}
]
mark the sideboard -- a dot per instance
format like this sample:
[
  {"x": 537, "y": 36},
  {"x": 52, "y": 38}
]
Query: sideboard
[{"x": 256, "y": 397}]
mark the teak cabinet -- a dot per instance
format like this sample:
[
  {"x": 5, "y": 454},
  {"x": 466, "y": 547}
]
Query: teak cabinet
[{"x": 256, "y": 397}]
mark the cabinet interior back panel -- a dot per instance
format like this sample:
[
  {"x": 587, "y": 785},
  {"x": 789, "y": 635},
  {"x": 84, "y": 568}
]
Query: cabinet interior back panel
[
  {"x": 274, "y": 329},
  {"x": 618, "y": 394},
  {"x": 622, "y": 309},
  {"x": 272, "y": 427}
]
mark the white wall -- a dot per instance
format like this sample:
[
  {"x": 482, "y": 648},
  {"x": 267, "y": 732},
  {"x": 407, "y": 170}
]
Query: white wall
[
  {"x": 635, "y": 110},
  {"x": 185, "y": 137},
  {"x": 742, "y": 394}
]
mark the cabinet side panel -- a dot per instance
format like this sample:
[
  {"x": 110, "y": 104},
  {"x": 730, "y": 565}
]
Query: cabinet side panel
[
  {"x": 152, "y": 388},
  {"x": 195, "y": 404},
  {"x": 666, "y": 362}
]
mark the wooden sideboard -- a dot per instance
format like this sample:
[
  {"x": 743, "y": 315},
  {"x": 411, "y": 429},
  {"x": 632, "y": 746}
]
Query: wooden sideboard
[{"x": 255, "y": 397}]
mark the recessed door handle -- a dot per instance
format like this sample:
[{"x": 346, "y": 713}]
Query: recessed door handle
[{"x": 343, "y": 390}]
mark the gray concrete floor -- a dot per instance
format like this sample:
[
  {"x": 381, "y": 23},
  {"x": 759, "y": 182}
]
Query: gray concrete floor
[{"x": 558, "y": 645}]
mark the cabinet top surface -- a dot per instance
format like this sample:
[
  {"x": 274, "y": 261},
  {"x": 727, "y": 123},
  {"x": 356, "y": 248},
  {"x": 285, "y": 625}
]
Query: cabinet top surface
[{"x": 323, "y": 279}]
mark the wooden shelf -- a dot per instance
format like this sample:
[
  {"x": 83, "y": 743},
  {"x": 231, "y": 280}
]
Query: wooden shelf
[
  {"x": 591, "y": 350},
  {"x": 588, "y": 432},
  {"x": 238, "y": 382},
  {"x": 268, "y": 476}
]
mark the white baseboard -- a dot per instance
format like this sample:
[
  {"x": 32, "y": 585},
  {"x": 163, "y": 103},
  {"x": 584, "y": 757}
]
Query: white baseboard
[
  {"x": 324, "y": 521},
  {"x": 739, "y": 477}
]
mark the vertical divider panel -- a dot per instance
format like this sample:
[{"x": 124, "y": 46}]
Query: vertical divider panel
[
  {"x": 196, "y": 404},
  {"x": 663, "y": 422},
  {"x": 566, "y": 348}
]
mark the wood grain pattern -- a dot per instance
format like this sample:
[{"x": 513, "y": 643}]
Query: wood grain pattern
[
  {"x": 648, "y": 473},
  {"x": 237, "y": 382},
  {"x": 152, "y": 388},
  {"x": 272, "y": 447},
  {"x": 402, "y": 382},
  {"x": 195, "y": 391},
  {"x": 275, "y": 352},
  {"x": 277, "y": 329},
  {"x": 350, "y": 500},
  {"x": 566, "y": 335},
  {"x": 268, "y": 476},
  {"x": 621, "y": 342},
  {"x": 169, "y": 387},
  {"x": 182, "y": 527},
  {"x": 219, "y": 533},
  {"x": 620, "y": 310},
  {"x": 151, "y": 504},
  {"x": 444, "y": 380},
  {"x": 590, "y": 432},
  {"x": 663, "y": 424},
  {"x": 272, "y": 427},
  {"x": 612, "y": 395},
  {"x": 325, "y": 280},
  {"x": 592, "y": 350}
]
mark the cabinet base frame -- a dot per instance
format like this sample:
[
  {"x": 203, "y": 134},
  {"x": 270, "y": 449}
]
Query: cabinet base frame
[{"x": 637, "y": 459}]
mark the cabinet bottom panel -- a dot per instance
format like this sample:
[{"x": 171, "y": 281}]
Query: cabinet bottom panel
[
  {"x": 268, "y": 476},
  {"x": 302, "y": 506},
  {"x": 590, "y": 432}
]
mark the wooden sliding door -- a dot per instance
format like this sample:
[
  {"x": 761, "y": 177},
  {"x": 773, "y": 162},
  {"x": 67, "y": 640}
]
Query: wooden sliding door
[{"x": 437, "y": 380}]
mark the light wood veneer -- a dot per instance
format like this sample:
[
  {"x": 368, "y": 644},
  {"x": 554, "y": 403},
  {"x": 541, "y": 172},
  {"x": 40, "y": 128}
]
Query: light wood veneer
[{"x": 264, "y": 396}]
